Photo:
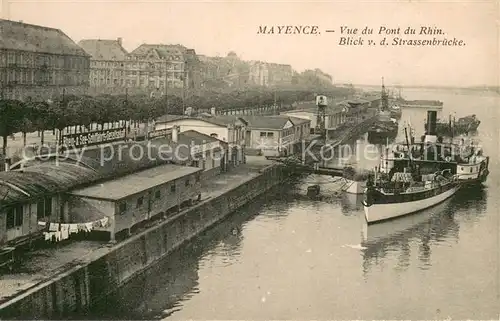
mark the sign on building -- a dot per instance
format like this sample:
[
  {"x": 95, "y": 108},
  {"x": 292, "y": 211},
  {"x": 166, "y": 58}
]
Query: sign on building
[
  {"x": 321, "y": 100},
  {"x": 94, "y": 138},
  {"x": 166, "y": 132}
]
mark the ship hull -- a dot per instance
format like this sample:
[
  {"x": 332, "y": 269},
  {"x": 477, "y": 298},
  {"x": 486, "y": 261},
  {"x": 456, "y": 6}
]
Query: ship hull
[
  {"x": 355, "y": 187},
  {"x": 377, "y": 213}
]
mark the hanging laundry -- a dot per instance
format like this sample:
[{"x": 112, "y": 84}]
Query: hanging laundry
[
  {"x": 48, "y": 236},
  {"x": 57, "y": 236},
  {"x": 64, "y": 234},
  {"x": 64, "y": 231},
  {"x": 54, "y": 227},
  {"x": 42, "y": 223},
  {"x": 81, "y": 227},
  {"x": 96, "y": 224},
  {"x": 104, "y": 222},
  {"x": 73, "y": 228},
  {"x": 88, "y": 227}
]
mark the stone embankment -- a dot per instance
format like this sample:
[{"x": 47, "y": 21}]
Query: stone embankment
[{"x": 90, "y": 278}]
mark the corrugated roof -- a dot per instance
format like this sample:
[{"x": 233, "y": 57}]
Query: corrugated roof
[
  {"x": 33, "y": 38},
  {"x": 104, "y": 49},
  {"x": 135, "y": 183},
  {"x": 42, "y": 179},
  {"x": 198, "y": 138},
  {"x": 220, "y": 120},
  {"x": 297, "y": 120},
  {"x": 435, "y": 103},
  {"x": 267, "y": 122}
]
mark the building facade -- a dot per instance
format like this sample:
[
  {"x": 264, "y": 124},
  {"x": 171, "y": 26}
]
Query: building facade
[
  {"x": 229, "y": 71},
  {"x": 258, "y": 73},
  {"x": 335, "y": 115},
  {"x": 133, "y": 199},
  {"x": 205, "y": 152},
  {"x": 229, "y": 129},
  {"x": 159, "y": 67},
  {"x": 40, "y": 63},
  {"x": 279, "y": 74},
  {"x": 276, "y": 135},
  {"x": 109, "y": 64}
]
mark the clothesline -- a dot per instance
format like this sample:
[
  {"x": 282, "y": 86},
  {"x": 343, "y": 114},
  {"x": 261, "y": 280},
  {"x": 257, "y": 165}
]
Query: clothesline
[{"x": 61, "y": 231}]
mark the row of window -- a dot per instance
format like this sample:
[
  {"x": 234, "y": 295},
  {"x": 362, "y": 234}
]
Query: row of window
[
  {"x": 267, "y": 134},
  {"x": 174, "y": 65},
  {"x": 121, "y": 72},
  {"x": 122, "y": 207},
  {"x": 29, "y": 59},
  {"x": 15, "y": 214},
  {"x": 134, "y": 82},
  {"x": 41, "y": 77}
]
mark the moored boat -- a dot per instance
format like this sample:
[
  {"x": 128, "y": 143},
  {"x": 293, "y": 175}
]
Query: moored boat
[
  {"x": 414, "y": 177},
  {"x": 403, "y": 194},
  {"x": 386, "y": 126},
  {"x": 464, "y": 125}
]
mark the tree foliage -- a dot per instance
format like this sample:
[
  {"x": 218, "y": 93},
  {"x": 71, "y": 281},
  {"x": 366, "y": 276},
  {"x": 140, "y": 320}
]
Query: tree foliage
[{"x": 33, "y": 116}]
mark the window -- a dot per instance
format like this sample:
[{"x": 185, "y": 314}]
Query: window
[
  {"x": 44, "y": 208},
  {"x": 263, "y": 134},
  {"x": 140, "y": 201},
  {"x": 471, "y": 169},
  {"x": 214, "y": 135},
  {"x": 122, "y": 207},
  {"x": 172, "y": 188},
  {"x": 187, "y": 182},
  {"x": 48, "y": 206},
  {"x": 270, "y": 135},
  {"x": 14, "y": 216},
  {"x": 157, "y": 194},
  {"x": 198, "y": 178}
]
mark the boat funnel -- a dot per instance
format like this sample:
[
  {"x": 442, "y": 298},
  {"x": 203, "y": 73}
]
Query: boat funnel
[{"x": 430, "y": 135}]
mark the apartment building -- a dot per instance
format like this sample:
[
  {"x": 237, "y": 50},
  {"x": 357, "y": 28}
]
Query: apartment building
[{"x": 40, "y": 63}]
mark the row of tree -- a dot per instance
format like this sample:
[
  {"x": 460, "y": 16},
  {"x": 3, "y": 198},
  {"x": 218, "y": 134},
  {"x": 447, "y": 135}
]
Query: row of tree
[{"x": 31, "y": 116}]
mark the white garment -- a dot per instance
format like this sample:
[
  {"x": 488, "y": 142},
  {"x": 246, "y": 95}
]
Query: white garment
[
  {"x": 104, "y": 222},
  {"x": 54, "y": 227},
  {"x": 48, "y": 236},
  {"x": 88, "y": 227},
  {"x": 73, "y": 228},
  {"x": 65, "y": 234},
  {"x": 42, "y": 223}
]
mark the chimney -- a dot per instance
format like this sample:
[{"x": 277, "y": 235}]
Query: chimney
[
  {"x": 7, "y": 164},
  {"x": 175, "y": 134},
  {"x": 119, "y": 40},
  {"x": 431, "y": 122},
  {"x": 212, "y": 111}
]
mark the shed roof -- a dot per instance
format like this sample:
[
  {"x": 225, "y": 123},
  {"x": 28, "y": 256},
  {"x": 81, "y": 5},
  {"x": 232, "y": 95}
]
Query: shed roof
[
  {"x": 219, "y": 120},
  {"x": 268, "y": 122},
  {"x": 123, "y": 187},
  {"x": 198, "y": 138},
  {"x": 42, "y": 179}
]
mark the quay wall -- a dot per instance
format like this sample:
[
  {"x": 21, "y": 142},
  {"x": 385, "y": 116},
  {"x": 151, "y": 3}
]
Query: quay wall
[{"x": 82, "y": 286}]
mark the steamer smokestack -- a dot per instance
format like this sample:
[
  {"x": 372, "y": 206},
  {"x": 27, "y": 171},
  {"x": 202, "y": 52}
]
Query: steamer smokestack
[
  {"x": 431, "y": 122},
  {"x": 430, "y": 135}
]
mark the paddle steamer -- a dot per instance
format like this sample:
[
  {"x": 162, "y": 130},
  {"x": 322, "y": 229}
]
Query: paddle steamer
[{"x": 413, "y": 177}]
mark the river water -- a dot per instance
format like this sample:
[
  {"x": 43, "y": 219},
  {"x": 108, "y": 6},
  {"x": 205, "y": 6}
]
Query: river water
[{"x": 288, "y": 257}]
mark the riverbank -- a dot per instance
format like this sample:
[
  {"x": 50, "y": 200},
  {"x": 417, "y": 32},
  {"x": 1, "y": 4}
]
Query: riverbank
[{"x": 71, "y": 278}]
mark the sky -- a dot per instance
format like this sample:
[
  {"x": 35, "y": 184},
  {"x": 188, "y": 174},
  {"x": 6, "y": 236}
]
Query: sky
[{"x": 217, "y": 27}]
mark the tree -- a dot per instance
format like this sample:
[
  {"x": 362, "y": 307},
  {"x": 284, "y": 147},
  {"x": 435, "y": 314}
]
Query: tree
[{"x": 12, "y": 114}]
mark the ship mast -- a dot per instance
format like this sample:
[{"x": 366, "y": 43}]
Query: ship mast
[{"x": 384, "y": 101}]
